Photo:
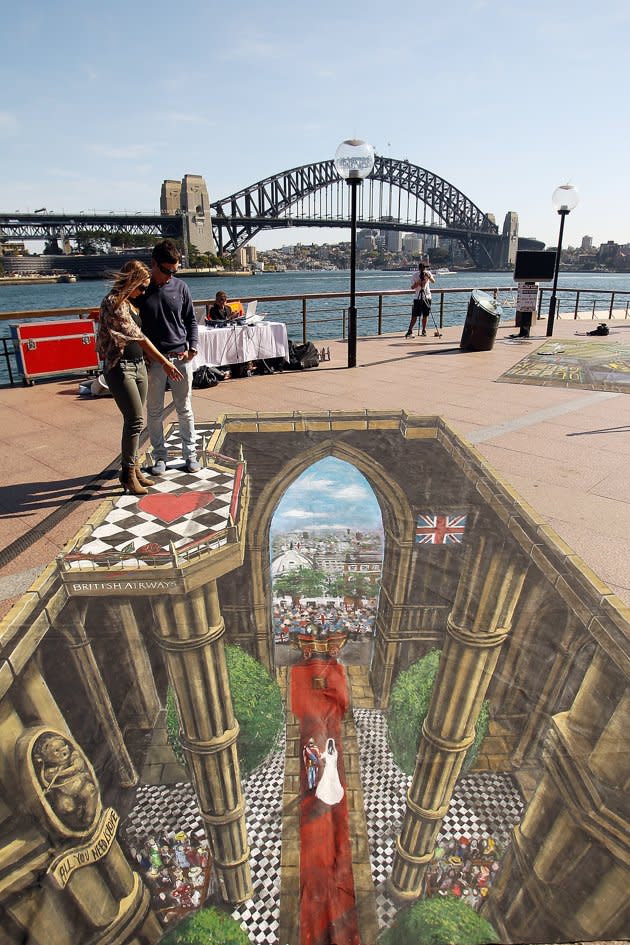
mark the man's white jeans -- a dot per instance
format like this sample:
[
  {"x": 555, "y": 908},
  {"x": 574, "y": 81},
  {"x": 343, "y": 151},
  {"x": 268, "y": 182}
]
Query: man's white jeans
[{"x": 182, "y": 399}]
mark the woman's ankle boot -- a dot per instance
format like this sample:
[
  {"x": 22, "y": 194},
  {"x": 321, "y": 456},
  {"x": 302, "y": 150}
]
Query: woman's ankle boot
[
  {"x": 129, "y": 481},
  {"x": 140, "y": 476}
]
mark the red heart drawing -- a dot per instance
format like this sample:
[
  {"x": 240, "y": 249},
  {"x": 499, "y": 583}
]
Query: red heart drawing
[{"x": 168, "y": 507}]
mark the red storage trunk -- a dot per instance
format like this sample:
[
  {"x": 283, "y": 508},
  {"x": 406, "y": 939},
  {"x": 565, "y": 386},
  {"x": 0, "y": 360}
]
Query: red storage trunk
[{"x": 46, "y": 349}]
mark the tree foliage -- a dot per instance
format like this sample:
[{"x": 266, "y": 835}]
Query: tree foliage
[
  {"x": 299, "y": 583},
  {"x": 257, "y": 704},
  {"x": 206, "y": 927},
  {"x": 409, "y": 704},
  {"x": 439, "y": 921}
]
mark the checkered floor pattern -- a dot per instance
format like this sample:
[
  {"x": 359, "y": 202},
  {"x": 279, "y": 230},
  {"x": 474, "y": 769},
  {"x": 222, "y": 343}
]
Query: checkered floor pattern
[
  {"x": 483, "y": 805},
  {"x": 128, "y": 527},
  {"x": 167, "y": 810}
]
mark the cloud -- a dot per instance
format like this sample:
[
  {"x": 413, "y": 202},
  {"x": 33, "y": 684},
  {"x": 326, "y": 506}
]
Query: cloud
[
  {"x": 8, "y": 123},
  {"x": 129, "y": 153},
  {"x": 353, "y": 493},
  {"x": 304, "y": 514},
  {"x": 187, "y": 118},
  {"x": 312, "y": 483}
]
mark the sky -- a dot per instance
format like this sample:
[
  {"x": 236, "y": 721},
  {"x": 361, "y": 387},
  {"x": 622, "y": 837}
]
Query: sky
[
  {"x": 505, "y": 100},
  {"x": 330, "y": 494}
]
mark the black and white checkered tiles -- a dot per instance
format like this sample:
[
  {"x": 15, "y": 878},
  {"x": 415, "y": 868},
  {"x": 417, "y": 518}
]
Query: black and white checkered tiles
[
  {"x": 181, "y": 508},
  {"x": 484, "y": 805},
  {"x": 163, "y": 810}
]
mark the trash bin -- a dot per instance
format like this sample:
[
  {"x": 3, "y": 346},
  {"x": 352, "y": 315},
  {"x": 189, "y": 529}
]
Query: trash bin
[{"x": 482, "y": 321}]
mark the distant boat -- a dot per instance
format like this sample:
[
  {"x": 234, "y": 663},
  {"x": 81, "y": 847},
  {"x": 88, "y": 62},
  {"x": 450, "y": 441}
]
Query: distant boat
[{"x": 445, "y": 272}]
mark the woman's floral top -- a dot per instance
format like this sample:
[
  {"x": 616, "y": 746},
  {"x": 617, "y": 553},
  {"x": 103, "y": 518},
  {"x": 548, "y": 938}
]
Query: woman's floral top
[{"x": 117, "y": 327}]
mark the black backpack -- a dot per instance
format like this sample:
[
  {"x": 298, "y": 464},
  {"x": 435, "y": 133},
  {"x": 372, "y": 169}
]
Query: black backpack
[
  {"x": 602, "y": 329},
  {"x": 303, "y": 356},
  {"x": 206, "y": 376}
]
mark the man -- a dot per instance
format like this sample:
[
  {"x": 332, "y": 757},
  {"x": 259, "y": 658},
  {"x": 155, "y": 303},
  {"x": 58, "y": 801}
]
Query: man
[
  {"x": 168, "y": 320},
  {"x": 312, "y": 757},
  {"x": 221, "y": 311}
]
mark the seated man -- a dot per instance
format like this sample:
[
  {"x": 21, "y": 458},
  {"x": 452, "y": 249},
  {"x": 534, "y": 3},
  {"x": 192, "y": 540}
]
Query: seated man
[{"x": 222, "y": 310}]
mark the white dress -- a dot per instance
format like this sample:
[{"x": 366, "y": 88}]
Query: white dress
[{"x": 329, "y": 788}]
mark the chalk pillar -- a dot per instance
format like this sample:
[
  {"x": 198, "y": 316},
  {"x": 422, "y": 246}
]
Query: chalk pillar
[
  {"x": 566, "y": 874},
  {"x": 71, "y": 623},
  {"x": 189, "y": 629},
  {"x": 486, "y": 596}
]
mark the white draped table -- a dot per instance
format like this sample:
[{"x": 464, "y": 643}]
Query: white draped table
[{"x": 238, "y": 344}]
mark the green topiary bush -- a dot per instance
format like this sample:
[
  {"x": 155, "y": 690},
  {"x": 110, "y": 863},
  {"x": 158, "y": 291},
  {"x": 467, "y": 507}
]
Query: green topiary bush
[
  {"x": 206, "y": 927},
  {"x": 440, "y": 921},
  {"x": 257, "y": 706},
  {"x": 408, "y": 707}
]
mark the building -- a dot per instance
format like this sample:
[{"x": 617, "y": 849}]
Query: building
[
  {"x": 587, "y": 244},
  {"x": 510, "y": 237},
  {"x": 171, "y": 197},
  {"x": 412, "y": 244},
  {"x": 190, "y": 198}
]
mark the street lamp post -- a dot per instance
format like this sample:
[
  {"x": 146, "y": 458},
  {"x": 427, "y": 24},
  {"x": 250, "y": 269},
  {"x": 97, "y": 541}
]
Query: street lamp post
[
  {"x": 354, "y": 160},
  {"x": 565, "y": 199}
]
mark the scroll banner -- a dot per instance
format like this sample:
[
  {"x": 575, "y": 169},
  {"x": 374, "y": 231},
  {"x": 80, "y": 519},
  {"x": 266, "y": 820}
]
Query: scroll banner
[{"x": 62, "y": 867}]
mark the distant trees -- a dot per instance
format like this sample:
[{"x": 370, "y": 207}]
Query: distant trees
[
  {"x": 352, "y": 584},
  {"x": 300, "y": 583}
]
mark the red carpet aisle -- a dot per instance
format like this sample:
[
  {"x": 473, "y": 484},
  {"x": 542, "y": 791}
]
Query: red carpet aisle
[{"x": 327, "y": 903}]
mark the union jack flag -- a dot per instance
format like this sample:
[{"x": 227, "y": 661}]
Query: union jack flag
[{"x": 440, "y": 529}]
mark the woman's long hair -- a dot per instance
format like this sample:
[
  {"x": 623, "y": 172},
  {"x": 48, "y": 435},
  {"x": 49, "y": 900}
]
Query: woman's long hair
[{"x": 132, "y": 275}]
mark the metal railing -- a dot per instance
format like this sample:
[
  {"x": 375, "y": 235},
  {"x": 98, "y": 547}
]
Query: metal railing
[{"x": 323, "y": 315}]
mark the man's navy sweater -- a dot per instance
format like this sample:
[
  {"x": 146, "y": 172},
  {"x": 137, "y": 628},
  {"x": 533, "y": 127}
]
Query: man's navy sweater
[{"x": 168, "y": 317}]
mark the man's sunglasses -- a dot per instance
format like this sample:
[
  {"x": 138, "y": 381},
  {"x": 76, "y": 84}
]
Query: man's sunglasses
[{"x": 165, "y": 271}]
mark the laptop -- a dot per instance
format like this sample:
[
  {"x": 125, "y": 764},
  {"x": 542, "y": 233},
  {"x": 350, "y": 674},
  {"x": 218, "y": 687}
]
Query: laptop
[{"x": 251, "y": 317}]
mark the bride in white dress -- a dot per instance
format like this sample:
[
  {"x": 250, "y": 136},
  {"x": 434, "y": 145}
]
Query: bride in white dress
[{"x": 329, "y": 788}]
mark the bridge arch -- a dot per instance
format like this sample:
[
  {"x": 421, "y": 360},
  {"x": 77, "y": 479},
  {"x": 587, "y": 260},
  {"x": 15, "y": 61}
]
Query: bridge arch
[{"x": 396, "y": 195}]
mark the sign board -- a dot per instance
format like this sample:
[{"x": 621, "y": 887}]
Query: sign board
[{"x": 527, "y": 298}]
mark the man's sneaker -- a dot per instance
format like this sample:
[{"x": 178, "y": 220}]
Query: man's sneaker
[
  {"x": 192, "y": 465},
  {"x": 424, "y": 334},
  {"x": 158, "y": 468}
]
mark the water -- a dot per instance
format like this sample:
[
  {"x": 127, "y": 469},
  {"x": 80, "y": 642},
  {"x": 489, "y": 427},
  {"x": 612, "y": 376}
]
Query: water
[{"x": 325, "y": 317}]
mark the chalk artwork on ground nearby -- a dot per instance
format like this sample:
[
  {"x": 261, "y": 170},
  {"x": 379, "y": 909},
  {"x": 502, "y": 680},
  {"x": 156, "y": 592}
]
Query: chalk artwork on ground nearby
[{"x": 337, "y": 686}]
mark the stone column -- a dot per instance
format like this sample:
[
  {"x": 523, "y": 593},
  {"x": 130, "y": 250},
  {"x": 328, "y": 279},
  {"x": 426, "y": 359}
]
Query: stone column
[
  {"x": 189, "y": 629},
  {"x": 486, "y": 596},
  {"x": 71, "y": 623},
  {"x": 566, "y": 875},
  {"x": 513, "y": 676},
  {"x": 397, "y": 568},
  {"x": 546, "y": 703},
  {"x": 145, "y": 696}
]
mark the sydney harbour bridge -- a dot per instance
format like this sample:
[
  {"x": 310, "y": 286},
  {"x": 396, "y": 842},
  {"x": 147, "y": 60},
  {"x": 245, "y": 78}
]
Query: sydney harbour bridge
[{"x": 397, "y": 195}]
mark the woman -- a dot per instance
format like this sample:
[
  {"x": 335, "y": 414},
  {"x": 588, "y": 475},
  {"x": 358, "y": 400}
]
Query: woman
[
  {"x": 329, "y": 788},
  {"x": 422, "y": 299},
  {"x": 123, "y": 348}
]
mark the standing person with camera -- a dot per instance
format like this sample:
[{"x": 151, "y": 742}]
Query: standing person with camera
[
  {"x": 421, "y": 282},
  {"x": 168, "y": 320}
]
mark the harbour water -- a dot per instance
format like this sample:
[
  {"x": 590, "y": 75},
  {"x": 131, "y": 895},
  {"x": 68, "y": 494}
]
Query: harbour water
[
  {"x": 326, "y": 318},
  {"x": 89, "y": 293}
]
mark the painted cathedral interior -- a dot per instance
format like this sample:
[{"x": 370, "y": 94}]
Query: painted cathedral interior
[{"x": 339, "y": 677}]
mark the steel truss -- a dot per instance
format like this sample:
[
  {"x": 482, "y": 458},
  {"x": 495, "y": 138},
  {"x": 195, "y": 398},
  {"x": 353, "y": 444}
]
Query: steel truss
[{"x": 397, "y": 195}]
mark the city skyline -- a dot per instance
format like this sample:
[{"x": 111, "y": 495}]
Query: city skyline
[{"x": 495, "y": 100}]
